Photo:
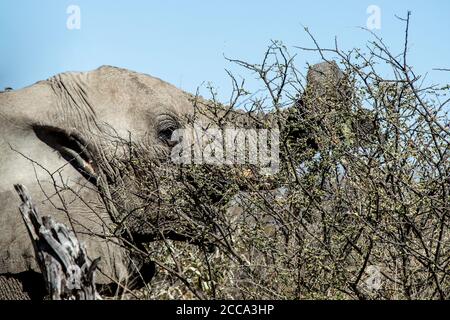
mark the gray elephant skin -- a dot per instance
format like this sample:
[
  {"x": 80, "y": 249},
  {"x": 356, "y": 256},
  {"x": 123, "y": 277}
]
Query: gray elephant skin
[{"x": 44, "y": 129}]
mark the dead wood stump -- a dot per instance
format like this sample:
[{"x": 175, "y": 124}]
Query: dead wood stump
[{"x": 62, "y": 258}]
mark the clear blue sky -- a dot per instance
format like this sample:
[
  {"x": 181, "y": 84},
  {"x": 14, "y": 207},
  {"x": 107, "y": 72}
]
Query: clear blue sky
[{"x": 184, "y": 42}]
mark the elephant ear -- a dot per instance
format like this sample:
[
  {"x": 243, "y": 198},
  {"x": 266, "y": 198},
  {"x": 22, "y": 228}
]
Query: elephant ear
[{"x": 23, "y": 157}]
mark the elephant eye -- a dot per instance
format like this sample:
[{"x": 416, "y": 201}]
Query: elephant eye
[
  {"x": 166, "y": 134},
  {"x": 166, "y": 129}
]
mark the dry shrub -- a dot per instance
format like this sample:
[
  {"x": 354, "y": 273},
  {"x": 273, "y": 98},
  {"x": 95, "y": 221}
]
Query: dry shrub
[{"x": 360, "y": 208}]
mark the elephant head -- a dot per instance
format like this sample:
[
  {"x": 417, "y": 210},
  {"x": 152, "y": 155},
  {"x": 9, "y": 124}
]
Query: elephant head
[
  {"x": 73, "y": 135},
  {"x": 94, "y": 149}
]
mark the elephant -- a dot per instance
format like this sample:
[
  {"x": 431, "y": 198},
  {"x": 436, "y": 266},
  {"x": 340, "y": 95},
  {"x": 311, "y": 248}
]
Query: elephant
[
  {"x": 59, "y": 137},
  {"x": 49, "y": 133}
]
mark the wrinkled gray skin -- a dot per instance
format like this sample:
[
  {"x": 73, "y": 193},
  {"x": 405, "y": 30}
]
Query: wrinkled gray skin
[
  {"x": 85, "y": 106},
  {"x": 34, "y": 119}
]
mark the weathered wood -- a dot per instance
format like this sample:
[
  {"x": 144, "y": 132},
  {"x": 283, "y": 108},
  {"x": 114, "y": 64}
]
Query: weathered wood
[{"x": 62, "y": 258}]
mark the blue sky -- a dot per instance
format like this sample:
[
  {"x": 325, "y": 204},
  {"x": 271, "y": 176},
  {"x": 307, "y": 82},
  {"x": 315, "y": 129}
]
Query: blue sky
[{"x": 184, "y": 42}]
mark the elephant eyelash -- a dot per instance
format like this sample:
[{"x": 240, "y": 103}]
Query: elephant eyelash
[{"x": 166, "y": 128}]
